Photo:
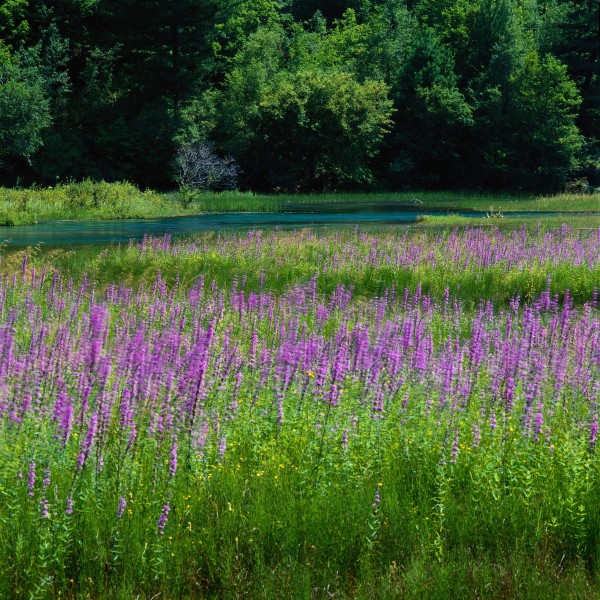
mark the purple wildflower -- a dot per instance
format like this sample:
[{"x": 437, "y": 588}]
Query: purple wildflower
[
  {"x": 86, "y": 446},
  {"x": 162, "y": 520},
  {"x": 44, "y": 508},
  {"x": 454, "y": 452},
  {"x": 121, "y": 508},
  {"x": 31, "y": 479},
  {"x": 594, "y": 431},
  {"x": 173, "y": 460},
  {"x": 476, "y": 436},
  {"x": 46, "y": 480},
  {"x": 345, "y": 439},
  {"x": 222, "y": 446},
  {"x": 377, "y": 500}
]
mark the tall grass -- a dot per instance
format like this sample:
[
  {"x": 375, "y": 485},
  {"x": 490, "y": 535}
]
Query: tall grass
[
  {"x": 87, "y": 200},
  {"x": 420, "y": 200}
]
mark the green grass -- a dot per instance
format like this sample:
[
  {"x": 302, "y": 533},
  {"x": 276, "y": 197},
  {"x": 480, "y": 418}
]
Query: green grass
[
  {"x": 248, "y": 527},
  {"x": 90, "y": 200},
  {"x": 507, "y": 222},
  {"x": 420, "y": 200},
  {"x": 445, "y": 221}
]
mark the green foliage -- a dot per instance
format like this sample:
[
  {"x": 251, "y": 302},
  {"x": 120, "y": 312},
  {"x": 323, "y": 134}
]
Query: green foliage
[
  {"x": 13, "y": 25},
  {"x": 370, "y": 46},
  {"x": 543, "y": 108},
  {"x": 345, "y": 46},
  {"x": 333, "y": 9},
  {"x": 512, "y": 89},
  {"x": 453, "y": 21},
  {"x": 120, "y": 85},
  {"x": 318, "y": 129},
  {"x": 434, "y": 117},
  {"x": 245, "y": 18},
  {"x": 308, "y": 128},
  {"x": 85, "y": 200},
  {"x": 24, "y": 107},
  {"x": 153, "y": 73},
  {"x": 573, "y": 38}
]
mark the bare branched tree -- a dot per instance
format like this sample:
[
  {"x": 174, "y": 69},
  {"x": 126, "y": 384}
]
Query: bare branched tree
[{"x": 200, "y": 168}]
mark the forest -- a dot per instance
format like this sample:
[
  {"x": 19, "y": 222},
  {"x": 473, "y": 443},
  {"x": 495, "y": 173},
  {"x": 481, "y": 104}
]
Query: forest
[{"x": 304, "y": 95}]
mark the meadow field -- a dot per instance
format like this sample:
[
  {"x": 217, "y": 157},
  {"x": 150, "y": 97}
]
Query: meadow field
[
  {"x": 305, "y": 414},
  {"x": 376, "y": 377}
]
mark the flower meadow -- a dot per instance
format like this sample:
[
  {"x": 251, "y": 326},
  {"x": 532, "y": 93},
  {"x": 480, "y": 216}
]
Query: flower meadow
[
  {"x": 471, "y": 263},
  {"x": 201, "y": 439}
]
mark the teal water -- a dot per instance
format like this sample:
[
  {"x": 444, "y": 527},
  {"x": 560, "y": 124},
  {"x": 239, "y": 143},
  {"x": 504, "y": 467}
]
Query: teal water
[{"x": 65, "y": 233}]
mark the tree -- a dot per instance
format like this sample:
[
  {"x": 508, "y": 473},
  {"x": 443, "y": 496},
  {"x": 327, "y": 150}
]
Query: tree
[
  {"x": 299, "y": 91},
  {"x": 24, "y": 108},
  {"x": 149, "y": 60},
  {"x": 543, "y": 109},
  {"x": 453, "y": 22},
  {"x": 303, "y": 10},
  {"x": 312, "y": 130},
  {"x": 525, "y": 128},
  {"x": 371, "y": 45},
  {"x": 237, "y": 111},
  {"x": 244, "y": 18},
  {"x": 434, "y": 119},
  {"x": 14, "y": 27},
  {"x": 200, "y": 168},
  {"x": 573, "y": 37}
]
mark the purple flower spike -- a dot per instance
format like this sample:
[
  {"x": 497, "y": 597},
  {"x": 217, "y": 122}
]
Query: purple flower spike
[
  {"x": 222, "y": 447},
  {"x": 45, "y": 508},
  {"x": 162, "y": 520},
  {"x": 594, "y": 431},
  {"x": 454, "y": 453},
  {"x": 121, "y": 508},
  {"x": 377, "y": 500},
  {"x": 173, "y": 460},
  {"x": 31, "y": 479}
]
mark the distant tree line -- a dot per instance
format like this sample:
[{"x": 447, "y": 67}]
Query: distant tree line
[{"x": 303, "y": 94}]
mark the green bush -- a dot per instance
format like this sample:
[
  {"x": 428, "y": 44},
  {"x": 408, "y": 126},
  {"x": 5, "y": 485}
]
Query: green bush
[{"x": 80, "y": 200}]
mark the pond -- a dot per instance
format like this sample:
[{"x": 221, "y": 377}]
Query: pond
[{"x": 65, "y": 233}]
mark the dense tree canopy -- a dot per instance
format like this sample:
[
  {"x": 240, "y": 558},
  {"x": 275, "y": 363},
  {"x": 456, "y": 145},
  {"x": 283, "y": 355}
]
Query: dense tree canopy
[{"x": 303, "y": 94}]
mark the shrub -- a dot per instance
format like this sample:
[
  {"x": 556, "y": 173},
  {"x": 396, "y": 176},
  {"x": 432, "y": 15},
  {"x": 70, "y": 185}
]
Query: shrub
[
  {"x": 578, "y": 186},
  {"x": 200, "y": 168}
]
